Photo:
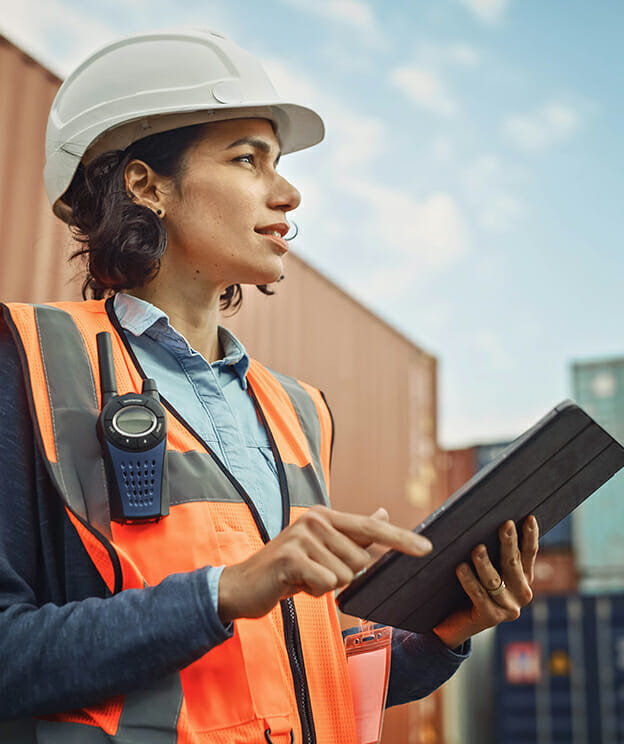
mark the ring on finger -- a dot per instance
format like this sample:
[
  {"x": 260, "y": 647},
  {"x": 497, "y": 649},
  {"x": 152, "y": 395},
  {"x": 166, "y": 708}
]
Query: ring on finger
[{"x": 499, "y": 589}]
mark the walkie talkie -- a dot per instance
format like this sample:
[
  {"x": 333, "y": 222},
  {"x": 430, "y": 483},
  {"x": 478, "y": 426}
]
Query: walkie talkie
[{"x": 132, "y": 430}]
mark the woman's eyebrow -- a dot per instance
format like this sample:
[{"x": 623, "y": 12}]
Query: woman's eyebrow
[{"x": 259, "y": 144}]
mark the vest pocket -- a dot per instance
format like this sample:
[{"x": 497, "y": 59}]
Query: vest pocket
[{"x": 242, "y": 679}]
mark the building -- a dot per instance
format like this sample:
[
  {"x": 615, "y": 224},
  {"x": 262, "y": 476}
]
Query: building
[{"x": 598, "y": 524}]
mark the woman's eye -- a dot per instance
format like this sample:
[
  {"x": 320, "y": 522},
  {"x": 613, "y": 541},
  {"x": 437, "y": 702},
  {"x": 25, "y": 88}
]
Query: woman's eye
[{"x": 249, "y": 158}]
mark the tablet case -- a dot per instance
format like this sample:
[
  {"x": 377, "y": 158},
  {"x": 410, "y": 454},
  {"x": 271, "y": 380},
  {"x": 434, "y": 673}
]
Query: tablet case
[{"x": 548, "y": 471}]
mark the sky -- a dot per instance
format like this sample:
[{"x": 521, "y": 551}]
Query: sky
[{"x": 469, "y": 188}]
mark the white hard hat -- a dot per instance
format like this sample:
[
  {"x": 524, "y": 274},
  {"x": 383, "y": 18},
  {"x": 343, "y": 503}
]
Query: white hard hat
[{"x": 156, "y": 82}]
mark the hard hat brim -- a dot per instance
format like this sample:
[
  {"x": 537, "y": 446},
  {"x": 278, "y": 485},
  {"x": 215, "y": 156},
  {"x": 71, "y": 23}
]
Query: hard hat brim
[{"x": 297, "y": 128}]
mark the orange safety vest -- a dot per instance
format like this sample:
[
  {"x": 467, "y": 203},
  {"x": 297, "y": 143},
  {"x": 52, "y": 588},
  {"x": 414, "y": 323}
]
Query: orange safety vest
[{"x": 280, "y": 678}]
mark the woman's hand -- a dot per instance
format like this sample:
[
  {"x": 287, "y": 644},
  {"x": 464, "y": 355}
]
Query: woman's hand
[
  {"x": 321, "y": 551},
  {"x": 496, "y": 597}
]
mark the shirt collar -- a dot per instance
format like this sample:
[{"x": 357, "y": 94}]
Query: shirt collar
[{"x": 142, "y": 318}]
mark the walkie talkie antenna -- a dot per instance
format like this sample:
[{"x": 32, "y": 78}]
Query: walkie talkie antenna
[{"x": 108, "y": 381}]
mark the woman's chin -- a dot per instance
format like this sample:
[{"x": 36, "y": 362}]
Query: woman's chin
[{"x": 273, "y": 274}]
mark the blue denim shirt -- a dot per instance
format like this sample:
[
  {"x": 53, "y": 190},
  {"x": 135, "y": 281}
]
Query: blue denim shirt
[{"x": 213, "y": 399}]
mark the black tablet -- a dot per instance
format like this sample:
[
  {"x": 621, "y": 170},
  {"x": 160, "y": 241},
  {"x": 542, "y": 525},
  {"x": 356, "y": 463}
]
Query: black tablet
[{"x": 548, "y": 471}]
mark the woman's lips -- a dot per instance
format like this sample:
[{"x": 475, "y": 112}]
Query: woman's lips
[{"x": 275, "y": 233}]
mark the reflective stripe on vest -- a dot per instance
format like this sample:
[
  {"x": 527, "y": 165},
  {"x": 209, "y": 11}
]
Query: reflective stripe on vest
[{"x": 211, "y": 522}]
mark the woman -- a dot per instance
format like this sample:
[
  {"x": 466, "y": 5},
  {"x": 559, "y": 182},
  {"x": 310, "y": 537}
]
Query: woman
[{"x": 214, "y": 623}]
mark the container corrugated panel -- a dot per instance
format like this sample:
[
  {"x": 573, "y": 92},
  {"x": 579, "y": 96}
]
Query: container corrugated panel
[
  {"x": 560, "y": 673},
  {"x": 458, "y": 466},
  {"x": 598, "y": 524},
  {"x": 34, "y": 245}
]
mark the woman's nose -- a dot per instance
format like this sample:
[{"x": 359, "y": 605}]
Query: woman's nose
[{"x": 284, "y": 195}]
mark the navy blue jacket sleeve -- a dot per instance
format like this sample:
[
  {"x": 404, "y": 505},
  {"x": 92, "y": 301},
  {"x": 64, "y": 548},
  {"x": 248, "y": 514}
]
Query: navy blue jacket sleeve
[
  {"x": 65, "y": 642},
  {"x": 420, "y": 664}
]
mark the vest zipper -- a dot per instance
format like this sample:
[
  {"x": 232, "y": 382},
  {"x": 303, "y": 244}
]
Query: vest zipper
[
  {"x": 287, "y": 606},
  {"x": 295, "y": 657},
  {"x": 289, "y": 613}
]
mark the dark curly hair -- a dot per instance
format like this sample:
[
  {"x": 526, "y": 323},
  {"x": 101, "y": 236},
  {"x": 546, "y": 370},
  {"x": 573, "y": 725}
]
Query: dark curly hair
[{"x": 122, "y": 241}]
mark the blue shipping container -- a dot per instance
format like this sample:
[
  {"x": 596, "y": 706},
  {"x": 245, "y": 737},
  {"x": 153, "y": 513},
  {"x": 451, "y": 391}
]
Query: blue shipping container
[{"x": 560, "y": 673}]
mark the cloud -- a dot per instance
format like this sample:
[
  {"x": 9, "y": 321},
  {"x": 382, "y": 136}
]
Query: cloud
[
  {"x": 442, "y": 149},
  {"x": 492, "y": 351},
  {"x": 425, "y": 88},
  {"x": 432, "y": 228},
  {"x": 389, "y": 240},
  {"x": 354, "y": 13},
  {"x": 422, "y": 81},
  {"x": 486, "y": 11},
  {"x": 464, "y": 54},
  {"x": 418, "y": 237},
  {"x": 500, "y": 212},
  {"x": 458, "y": 53},
  {"x": 489, "y": 187},
  {"x": 538, "y": 130},
  {"x": 354, "y": 139},
  {"x": 58, "y": 35},
  {"x": 291, "y": 83}
]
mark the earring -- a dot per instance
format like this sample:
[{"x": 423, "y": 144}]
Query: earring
[
  {"x": 293, "y": 231},
  {"x": 160, "y": 213}
]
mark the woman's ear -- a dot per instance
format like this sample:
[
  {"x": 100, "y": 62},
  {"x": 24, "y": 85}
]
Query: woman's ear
[{"x": 144, "y": 186}]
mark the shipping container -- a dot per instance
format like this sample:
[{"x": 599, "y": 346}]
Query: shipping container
[
  {"x": 457, "y": 466},
  {"x": 35, "y": 245},
  {"x": 555, "y": 572},
  {"x": 598, "y": 524},
  {"x": 560, "y": 673}
]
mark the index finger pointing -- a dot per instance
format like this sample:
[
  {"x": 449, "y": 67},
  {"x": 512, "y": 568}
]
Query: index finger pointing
[{"x": 367, "y": 530}]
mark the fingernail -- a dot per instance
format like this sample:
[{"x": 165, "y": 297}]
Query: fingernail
[
  {"x": 381, "y": 514},
  {"x": 509, "y": 531},
  {"x": 422, "y": 543}
]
